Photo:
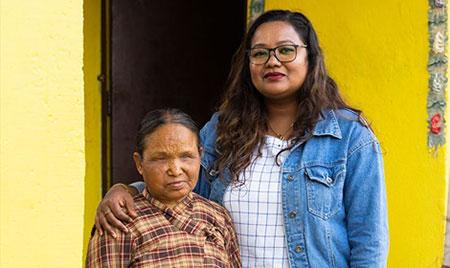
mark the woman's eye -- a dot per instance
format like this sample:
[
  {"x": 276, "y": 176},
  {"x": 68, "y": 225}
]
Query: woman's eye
[
  {"x": 259, "y": 54},
  {"x": 285, "y": 50},
  {"x": 187, "y": 156}
]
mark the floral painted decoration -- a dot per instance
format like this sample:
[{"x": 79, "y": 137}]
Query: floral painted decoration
[
  {"x": 437, "y": 67},
  {"x": 435, "y": 124}
]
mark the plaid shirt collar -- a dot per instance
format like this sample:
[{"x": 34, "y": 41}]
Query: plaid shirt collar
[{"x": 183, "y": 206}]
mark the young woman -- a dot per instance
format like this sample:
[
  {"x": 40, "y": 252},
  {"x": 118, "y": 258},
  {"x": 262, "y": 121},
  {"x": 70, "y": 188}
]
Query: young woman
[{"x": 300, "y": 171}]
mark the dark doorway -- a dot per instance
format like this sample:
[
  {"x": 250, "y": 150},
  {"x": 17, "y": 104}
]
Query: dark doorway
[{"x": 173, "y": 53}]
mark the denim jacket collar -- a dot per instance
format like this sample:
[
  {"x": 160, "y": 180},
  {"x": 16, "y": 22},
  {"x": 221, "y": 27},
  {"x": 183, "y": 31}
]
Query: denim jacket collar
[{"x": 328, "y": 125}]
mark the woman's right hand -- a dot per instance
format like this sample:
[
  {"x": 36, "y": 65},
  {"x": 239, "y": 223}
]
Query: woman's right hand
[{"x": 116, "y": 207}]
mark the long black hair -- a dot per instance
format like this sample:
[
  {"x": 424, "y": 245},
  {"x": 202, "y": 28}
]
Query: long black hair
[{"x": 243, "y": 117}]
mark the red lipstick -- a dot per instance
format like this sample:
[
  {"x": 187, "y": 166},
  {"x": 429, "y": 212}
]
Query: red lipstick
[{"x": 274, "y": 76}]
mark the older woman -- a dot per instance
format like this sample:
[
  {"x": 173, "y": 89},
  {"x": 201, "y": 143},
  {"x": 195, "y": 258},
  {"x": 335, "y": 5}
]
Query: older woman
[{"x": 174, "y": 227}]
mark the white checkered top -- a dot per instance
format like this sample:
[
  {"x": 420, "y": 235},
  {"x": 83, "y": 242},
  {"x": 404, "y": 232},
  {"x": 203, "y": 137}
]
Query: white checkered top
[{"x": 256, "y": 208}]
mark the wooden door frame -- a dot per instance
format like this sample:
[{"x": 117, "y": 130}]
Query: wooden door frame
[{"x": 106, "y": 91}]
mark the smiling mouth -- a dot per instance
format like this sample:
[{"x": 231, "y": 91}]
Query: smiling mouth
[{"x": 274, "y": 76}]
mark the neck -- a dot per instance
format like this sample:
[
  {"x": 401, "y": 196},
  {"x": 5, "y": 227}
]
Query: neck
[
  {"x": 281, "y": 110},
  {"x": 281, "y": 116}
]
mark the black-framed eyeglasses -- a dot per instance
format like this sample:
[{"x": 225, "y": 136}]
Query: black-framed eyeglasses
[{"x": 283, "y": 53}]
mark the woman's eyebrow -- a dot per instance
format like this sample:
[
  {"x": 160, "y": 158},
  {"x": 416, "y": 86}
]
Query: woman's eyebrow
[
  {"x": 285, "y": 41},
  {"x": 158, "y": 153},
  {"x": 257, "y": 45}
]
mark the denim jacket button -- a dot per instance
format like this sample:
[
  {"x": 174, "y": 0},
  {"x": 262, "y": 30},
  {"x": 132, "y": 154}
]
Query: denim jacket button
[
  {"x": 290, "y": 178},
  {"x": 292, "y": 214},
  {"x": 298, "y": 249},
  {"x": 213, "y": 172}
]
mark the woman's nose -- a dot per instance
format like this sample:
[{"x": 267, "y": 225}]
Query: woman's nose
[
  {"x": 272, "y": 60},
  {"x": 174, "y": 168}
]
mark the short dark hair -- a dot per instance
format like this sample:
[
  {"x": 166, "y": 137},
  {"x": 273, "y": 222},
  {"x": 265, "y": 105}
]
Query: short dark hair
[{"x": 156, "y": 118}]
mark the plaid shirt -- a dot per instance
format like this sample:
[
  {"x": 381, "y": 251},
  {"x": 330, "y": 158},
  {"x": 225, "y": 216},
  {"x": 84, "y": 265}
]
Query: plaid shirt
[{"x": 194, "y": 233}]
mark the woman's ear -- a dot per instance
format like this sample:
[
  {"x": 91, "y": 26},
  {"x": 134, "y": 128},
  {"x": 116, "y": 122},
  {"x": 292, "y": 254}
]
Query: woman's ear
[{"x": 138, "y": 162}]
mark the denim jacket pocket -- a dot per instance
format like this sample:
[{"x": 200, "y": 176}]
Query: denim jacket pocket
[{"x": 324, "y": 187}]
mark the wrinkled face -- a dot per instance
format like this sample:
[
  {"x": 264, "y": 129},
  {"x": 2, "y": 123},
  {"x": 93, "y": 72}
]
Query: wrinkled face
[
  {"x": 276, "y": 80},
  {"x": 170, "y": 163}
]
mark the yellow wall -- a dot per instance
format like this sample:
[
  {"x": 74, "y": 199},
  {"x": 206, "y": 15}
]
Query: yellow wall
[
  {"x": 43, "y": 143},
  {"x": 92, "y": 109},
  {"x": 378, "y": 52}
]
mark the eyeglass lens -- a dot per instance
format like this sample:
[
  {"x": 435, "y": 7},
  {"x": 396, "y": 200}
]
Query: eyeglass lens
[{"x": 284, "y": 53}]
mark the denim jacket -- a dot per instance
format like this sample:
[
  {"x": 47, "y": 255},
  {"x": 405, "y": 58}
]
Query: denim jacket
[{"x": 333, "y": 192}]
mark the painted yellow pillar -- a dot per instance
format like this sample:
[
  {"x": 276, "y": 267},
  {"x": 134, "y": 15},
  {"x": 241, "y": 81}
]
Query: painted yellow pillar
[
  {"x": 92, "y": 109},
  {"x": 378, "y": 53},
  {"x": 42, "y": 133}
]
